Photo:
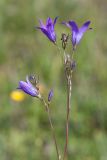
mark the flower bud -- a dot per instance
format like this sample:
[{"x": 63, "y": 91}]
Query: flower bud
[
  {"x": 73, "y": 65},
  {"x": 50, "y": 95}
]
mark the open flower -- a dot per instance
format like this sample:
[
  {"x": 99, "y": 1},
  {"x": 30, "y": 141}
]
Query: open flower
[
  {"x": 77, "y": 33},
  {"x": 17, "y": 96},
  {"x": 48, "y": 29},
  {"x": 28, "y": 88}
]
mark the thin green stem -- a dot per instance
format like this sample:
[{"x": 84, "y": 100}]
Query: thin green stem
[
  {"x": 52, "y": 128},
  {"x": 69, "y": 88},
  {"x": 59, "y": 49}
]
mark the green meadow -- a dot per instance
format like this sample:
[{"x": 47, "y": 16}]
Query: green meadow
[{"x": 24, "y": 128}]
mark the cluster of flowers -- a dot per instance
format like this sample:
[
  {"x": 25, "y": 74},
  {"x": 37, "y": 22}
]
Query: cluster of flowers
[
  {"x": 48, "y": 30},
  {"x": 77, "y": 33}
]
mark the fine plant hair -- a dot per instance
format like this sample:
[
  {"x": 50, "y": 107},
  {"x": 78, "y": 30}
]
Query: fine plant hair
[{"x": 30, "y": 86}]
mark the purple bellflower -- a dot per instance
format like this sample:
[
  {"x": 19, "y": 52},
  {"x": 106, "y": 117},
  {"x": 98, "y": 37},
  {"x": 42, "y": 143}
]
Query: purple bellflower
[
  {"x": 77, "y": 33},
  {"x": 48, "y": 29},
  {"x": 50, "y": 95},
  {"x": 28, "y": 88}
]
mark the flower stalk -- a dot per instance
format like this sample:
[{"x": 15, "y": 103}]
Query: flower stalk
[
  {"x": 69, "y": 88},
  {"x": 46, "y": 105},
  {"x": 68, "y": 74}
]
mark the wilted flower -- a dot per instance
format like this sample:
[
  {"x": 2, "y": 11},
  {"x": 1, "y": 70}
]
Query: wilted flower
[
  {"x": 28, "y": 88},
  {"x": 48, "y": 29},
  {"x": 50, "y": 95},
  {"x": 33, "y": 79},
  {"x": 77, "y": 33},
  {"x": 64, "y": 39}
]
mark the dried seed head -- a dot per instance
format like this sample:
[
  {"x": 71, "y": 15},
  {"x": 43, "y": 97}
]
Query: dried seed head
[
  {"x": 64, "y": 39},
  {"x": 33, "y": 79}
]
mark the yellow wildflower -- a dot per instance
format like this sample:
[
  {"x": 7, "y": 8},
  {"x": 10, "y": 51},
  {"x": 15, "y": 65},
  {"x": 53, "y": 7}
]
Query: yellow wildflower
[{"x": 17, "y": 95}]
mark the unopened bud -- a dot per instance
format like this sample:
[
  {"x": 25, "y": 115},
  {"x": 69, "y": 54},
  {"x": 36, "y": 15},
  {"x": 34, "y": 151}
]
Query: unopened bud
[
  {"x": 73, "y": 65},
  {"x": 50, "y": 95}
]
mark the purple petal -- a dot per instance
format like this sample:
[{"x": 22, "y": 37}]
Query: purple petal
[
  {"x": 55, "y": 21},
  {"x": 75, "y": 32},
  {"x": 24, "y": 86},
  {"x": 85, "y": 26},
  {"x": 73, "y": 26},
  {"x": 82, "y": 30},
  {"x": 41, "y": 24},
  {"x": 28, "y": 82},
  {"x": 49, "y": 25},
  {"x": 66, "y": 24},
  {"x": 49, "y": 21},
  {"x": 43, "y": 30},
  {"x": 51, "y": 35}
]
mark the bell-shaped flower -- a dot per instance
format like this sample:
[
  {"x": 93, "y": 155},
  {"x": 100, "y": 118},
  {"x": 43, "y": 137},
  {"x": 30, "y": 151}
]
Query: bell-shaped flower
[
  {"x": 77, "y": 33},
  {"x": 48, "y": 29},
  {"x": 28, "y": 88}
]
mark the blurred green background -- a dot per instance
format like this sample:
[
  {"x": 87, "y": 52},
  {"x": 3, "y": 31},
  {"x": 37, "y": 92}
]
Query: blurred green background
[{"x": 24, "y": 128}]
